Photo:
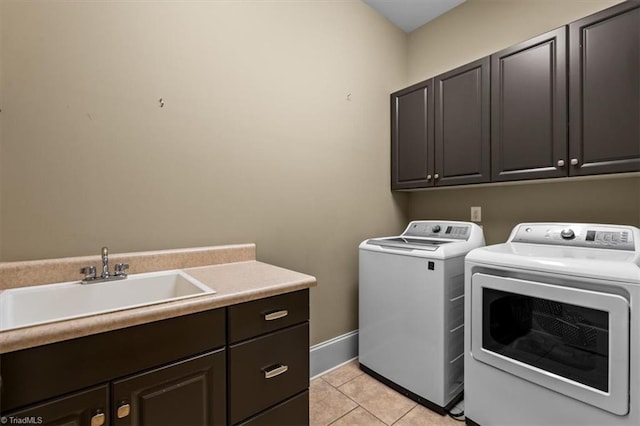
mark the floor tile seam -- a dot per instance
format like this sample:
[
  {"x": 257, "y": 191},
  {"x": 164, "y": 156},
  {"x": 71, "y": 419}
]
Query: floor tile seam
[
  {"x": 349, "y": 397},
  {"x": 365, "y": 409},
  {"x": 398, "y": 419},
  {"x": 360, "y": 373},
  {"x": 383, "y": 422},
  {"x": 357, "y": 404},
  {"x": 373, "y": 415},
  {"x": 342, "y": 384},
  {"x": 335, "y": 420},
  {"x": 414, "y": 404},
  {"x": 327, "y": 396},
  {"x": 404, "y": 415}
]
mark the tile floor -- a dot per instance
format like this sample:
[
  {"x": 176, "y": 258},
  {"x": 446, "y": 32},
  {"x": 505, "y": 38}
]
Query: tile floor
[{"x": 348, "y": 396}]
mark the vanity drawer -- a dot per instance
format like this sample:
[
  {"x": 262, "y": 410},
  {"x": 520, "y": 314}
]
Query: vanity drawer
[
  {"x": 262, "y": 316},
  {"x": 293, "y": 412},
  {"x": 266, "y": 370}
]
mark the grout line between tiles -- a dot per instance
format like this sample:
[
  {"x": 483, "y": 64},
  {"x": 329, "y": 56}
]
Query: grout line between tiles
[
  {"x": 404, "y": 415},
  {"x": 354, "y": 408},
  {"x": 359, "y": 405}
]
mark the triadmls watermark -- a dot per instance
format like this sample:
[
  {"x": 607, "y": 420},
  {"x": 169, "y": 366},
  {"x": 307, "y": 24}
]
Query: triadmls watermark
[{"x": 25, "y": 420}]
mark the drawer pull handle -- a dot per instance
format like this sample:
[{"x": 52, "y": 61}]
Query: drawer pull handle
[
  {"x": 276, "y": 315},
  {"x": 274, "y": 371},
  {"x": 97, "y": 419}
]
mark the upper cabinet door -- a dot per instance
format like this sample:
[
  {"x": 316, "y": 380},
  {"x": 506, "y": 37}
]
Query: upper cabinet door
[
  {"x": 412, "y": 137},
  {"x": 529, "y": 109},
  {"x": 462, "y": 125},
  {"x": 605, "y": 91}
]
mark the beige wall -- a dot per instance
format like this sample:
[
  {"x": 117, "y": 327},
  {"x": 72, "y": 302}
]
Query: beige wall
[
  {"x": 275, "y": 130},
  {"x": 601, "y": 200},
  {"x": 473, "y": 30},
  {"x": 478, "y": 28}
]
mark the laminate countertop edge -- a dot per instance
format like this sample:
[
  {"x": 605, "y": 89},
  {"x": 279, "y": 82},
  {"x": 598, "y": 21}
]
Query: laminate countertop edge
[{"x": 233, "y": 282}]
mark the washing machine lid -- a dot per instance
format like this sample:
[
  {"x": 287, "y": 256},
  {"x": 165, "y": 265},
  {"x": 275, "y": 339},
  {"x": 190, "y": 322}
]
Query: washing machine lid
[
  {"x": 430, "y": 238},
  {"x": 408, "y": 243},
  {"x": 608, "y": 252}
]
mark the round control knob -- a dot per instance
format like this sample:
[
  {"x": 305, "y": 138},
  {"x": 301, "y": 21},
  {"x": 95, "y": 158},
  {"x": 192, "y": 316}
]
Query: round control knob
[
  {"x": 435, "y": 228},
  {"x": 567, "y": 234}
]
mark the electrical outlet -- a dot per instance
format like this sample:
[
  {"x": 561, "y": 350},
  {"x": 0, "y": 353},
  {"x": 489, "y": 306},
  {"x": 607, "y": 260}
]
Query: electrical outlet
[{"x": 476, "y": 214}]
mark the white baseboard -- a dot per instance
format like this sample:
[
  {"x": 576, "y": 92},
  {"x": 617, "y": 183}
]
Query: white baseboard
[{"x": 333, "y": 353}]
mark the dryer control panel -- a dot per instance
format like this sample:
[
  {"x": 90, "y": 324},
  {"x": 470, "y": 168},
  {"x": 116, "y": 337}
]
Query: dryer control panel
[{"x": 576, "y": 235}]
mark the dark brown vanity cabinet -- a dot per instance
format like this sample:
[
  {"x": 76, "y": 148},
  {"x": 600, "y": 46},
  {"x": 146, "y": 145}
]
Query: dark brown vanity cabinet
[
  {"x": 247, "y": 363},
  {"x": 605, "y": 91},
  {"x": 171, "y": 369},
  {"x": 529, "y": 109},
  {"x": 412, "y": 136},
  {"x": 268, "y": 361}
]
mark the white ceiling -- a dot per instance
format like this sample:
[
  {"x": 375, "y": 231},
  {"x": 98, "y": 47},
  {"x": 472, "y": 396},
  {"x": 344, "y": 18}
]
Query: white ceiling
[{"x": 411, "y": 14}]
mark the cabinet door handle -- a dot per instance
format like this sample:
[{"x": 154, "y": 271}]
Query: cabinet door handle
[
  {"x": 98, "y": 419},
  {"x": 428, "y": 178},
  {"x": 123, "y": 410},
  {"x": 436, "y": 176},
  {"x": 560, "y": 163},
  {"x": 276, "y": 315},
  {"x": 574, "y": 161},
  {"x": 274, "y": 370}
]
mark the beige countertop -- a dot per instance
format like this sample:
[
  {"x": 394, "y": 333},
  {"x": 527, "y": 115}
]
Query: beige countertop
[{"x": 234, "y": 282}]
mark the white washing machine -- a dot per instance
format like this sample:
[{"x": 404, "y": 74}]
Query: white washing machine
[
  {"x": 411, "y": 300},
  {"x": 552, "y": 331}
]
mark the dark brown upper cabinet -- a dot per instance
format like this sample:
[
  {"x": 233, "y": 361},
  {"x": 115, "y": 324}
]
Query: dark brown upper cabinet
[
  {"x": 605, "y": 91},
  {"x": 529, "y": 109},
  {"x": 565, "y": 103},
  {"x": 462, "y": 125},
  {"x": 412, "y": 136}
]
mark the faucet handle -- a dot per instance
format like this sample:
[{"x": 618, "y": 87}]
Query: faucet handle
[
  {"x": 89, "y": 272},
  {"x": 120, "y": 268}
]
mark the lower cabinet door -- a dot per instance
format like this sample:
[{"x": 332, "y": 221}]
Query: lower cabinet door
[
  {"x": 267, "y": 370},
  {"x": 292, "y": 412},
  {"x": 187, "y": 393},
  {"x": 86, "y": 408}
]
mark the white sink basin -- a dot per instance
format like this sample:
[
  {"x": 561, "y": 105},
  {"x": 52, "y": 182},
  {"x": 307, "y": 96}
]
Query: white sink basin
[{"x": 22, "y": 307}]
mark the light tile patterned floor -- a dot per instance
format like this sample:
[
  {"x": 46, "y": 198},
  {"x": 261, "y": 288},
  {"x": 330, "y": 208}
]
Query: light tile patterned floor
[{"x": 348, "y": 397}]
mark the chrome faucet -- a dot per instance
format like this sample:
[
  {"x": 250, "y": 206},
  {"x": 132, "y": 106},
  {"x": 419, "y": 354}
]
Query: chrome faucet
[
  {"x": 118, "y": 271},
  {"x": 105, "y": 262}
]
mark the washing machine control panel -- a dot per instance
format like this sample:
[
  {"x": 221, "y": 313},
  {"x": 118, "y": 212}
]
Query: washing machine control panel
[
  {"x": 575, "y": 235},
  {"x": 440, "y": 230}
]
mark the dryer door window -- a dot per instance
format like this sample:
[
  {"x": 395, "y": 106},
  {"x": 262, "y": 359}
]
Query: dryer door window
[
  {"x": 571, "y": 340},
  {"x": 561, "y": 338}
]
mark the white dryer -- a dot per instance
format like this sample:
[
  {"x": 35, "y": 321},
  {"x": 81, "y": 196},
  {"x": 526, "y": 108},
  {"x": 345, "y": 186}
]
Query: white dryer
[
  {"x": 411, "y": 300},
  {"x": 552, "y": 331}
]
